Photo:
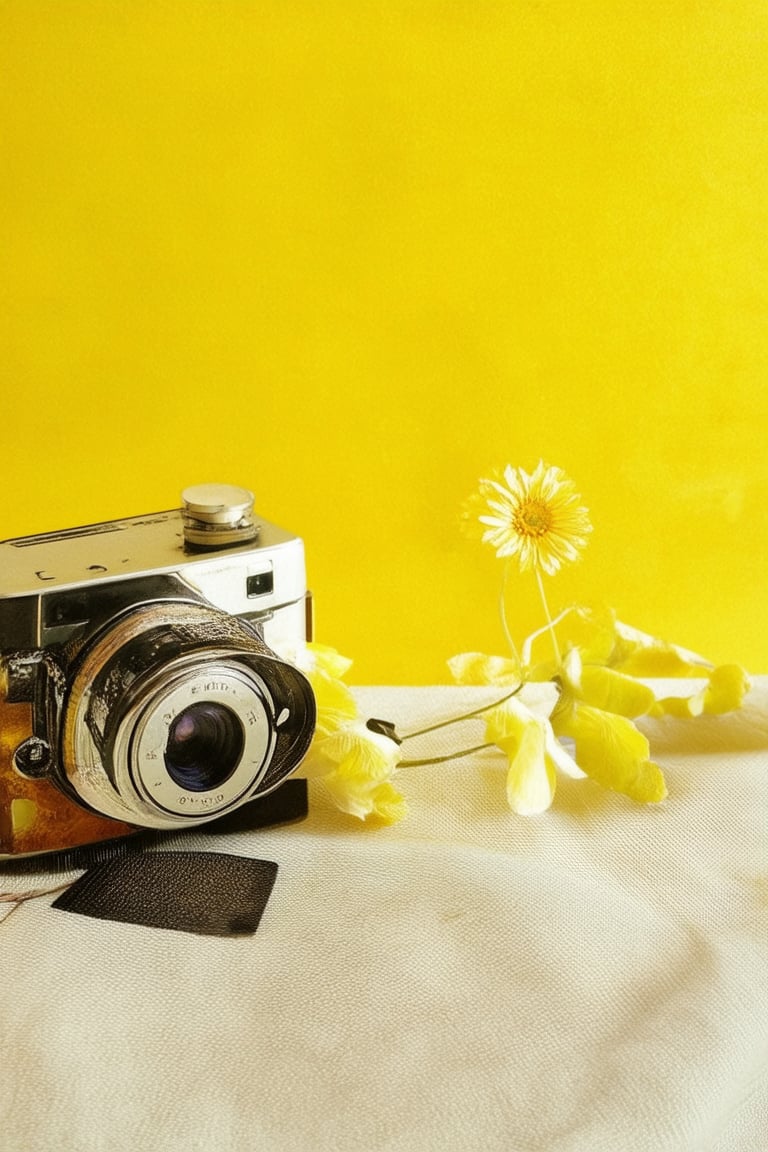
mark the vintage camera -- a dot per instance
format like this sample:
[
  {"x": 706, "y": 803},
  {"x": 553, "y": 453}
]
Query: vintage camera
[{"x": 139, "y": 683}]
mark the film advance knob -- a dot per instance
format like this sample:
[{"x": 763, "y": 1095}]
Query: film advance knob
[{"x": 217, "y": 514}]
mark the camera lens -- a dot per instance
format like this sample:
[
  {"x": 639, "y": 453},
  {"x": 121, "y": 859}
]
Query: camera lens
[
  {"x": 205, "y": 745},
  {"x": 178, "y": 713}
]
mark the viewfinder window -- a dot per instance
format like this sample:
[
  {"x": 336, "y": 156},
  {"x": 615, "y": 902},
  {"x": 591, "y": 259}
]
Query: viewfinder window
[{"x": 260, "y": 585}]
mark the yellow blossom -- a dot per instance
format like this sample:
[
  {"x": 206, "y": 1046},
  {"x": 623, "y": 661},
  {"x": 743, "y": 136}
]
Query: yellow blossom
[
  {"x": 611, "y": 750},
  {"x": 335, "y": 703},
  {"x": 608, "y": 746},
  {"x": 606, "y": 688},
  {"x": 477, "y": 668},
  {"x": 724, "y": 692},
  {"x": 632, "y": 655},
  {"x": 357, "y": 767},
  {"x": 601, "y": 694},
  {"x": 538, "y": 517},
  {"x": 525, "y": 736}
]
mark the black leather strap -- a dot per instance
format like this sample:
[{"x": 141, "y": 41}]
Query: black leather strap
[{"x": 212, "y": 893}]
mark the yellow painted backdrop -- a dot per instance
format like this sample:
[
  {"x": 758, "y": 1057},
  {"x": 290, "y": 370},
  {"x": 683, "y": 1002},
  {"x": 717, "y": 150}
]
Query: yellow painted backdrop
[{"x": 352, "y": 254}]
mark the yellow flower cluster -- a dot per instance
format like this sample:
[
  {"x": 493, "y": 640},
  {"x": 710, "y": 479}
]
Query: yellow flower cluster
[
  {"x": 355, "y": 764},
  {"x": 539, "y": 520},
  {"x": 585, "y": 697},
  {"x": 599, "y": 699}
]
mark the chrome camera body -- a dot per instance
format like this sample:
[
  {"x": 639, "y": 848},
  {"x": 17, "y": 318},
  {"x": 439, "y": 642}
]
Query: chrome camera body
[{"x": 140, "y": 685}]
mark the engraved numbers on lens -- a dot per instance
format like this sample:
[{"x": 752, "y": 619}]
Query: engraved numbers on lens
[
  {"x": 211, "y": 686},
  {"x": 203, "y": 801}
]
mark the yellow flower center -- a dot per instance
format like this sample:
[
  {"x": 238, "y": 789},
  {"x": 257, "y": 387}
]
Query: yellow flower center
[{"x": 532, "y": 518}]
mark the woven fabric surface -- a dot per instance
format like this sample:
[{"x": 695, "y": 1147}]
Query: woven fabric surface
[{"x": 591, "y": 980}]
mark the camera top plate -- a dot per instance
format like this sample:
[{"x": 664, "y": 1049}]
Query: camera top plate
[
  {"x": 56, "y": 580},
  {"x": 119, "y": 550}
]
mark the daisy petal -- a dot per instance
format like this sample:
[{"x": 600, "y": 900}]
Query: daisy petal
[{"x": 535, "y": 516}]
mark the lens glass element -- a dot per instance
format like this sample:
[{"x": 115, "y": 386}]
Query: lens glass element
[{"x": 205, "y": 745}]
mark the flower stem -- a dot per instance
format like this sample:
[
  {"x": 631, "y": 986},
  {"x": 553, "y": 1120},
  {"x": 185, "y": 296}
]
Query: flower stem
[
  {"x": 443, "y": 759},
  {"x": 548, "y": 615},
  {"x": 528, "y": 644},
  {"x": 463, "y": 716},
  {"x": 503, "y": 614}
]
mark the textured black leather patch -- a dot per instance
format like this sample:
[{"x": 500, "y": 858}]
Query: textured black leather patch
[{"x": 212, "y": 893}]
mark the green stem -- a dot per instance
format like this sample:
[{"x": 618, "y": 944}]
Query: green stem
[
  {"x": 443, "y": 759},
  {"x": 464, "y": 716},
  {"x": 550, "y": 623}
]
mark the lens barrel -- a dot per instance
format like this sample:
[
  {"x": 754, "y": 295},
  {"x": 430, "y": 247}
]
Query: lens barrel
[{"x": 178, "y": 713}]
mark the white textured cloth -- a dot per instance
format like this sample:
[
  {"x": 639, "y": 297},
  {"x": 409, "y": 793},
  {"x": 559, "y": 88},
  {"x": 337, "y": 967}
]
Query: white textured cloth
[{"x": 591, "y": 980}]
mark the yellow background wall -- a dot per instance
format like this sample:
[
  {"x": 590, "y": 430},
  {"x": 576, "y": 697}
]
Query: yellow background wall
[{"x": 353, "y": 254}]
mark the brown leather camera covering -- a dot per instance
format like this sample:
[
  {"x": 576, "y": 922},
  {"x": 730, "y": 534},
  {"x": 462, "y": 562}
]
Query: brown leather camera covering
[{"x": 46, "y": 820}]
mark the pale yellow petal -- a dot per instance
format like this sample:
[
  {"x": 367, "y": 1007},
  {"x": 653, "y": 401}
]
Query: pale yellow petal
[
  {"x": 561, "y": 759},
  {"x": 615, "y": 692},
  {"x": 612, "y": 751},
  {"x": 724, "y": 692},
  {"x": 508, "y": 719},
  {"x": 684, "y": 707},
  {"x": 477, "y": 668},
  {"x": 335, "y": 703},
  {"x": 387, "y": 804},
  {"x": 639, "y": 654},
  {"x": 315, "y": 763},
  {"x": 381, "y": 801},
  {"x": 531, "y": 776},
  {"x": 540, "y": 698},
  {"x": 572, "y": 668},
  {"x": 360, "y": 780},
  {"x": 378, "y": 755},
  {"x": 327, "y": 659},
  {"x": 728, "y": 685},
  {"x": 522, "y": 737}
]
